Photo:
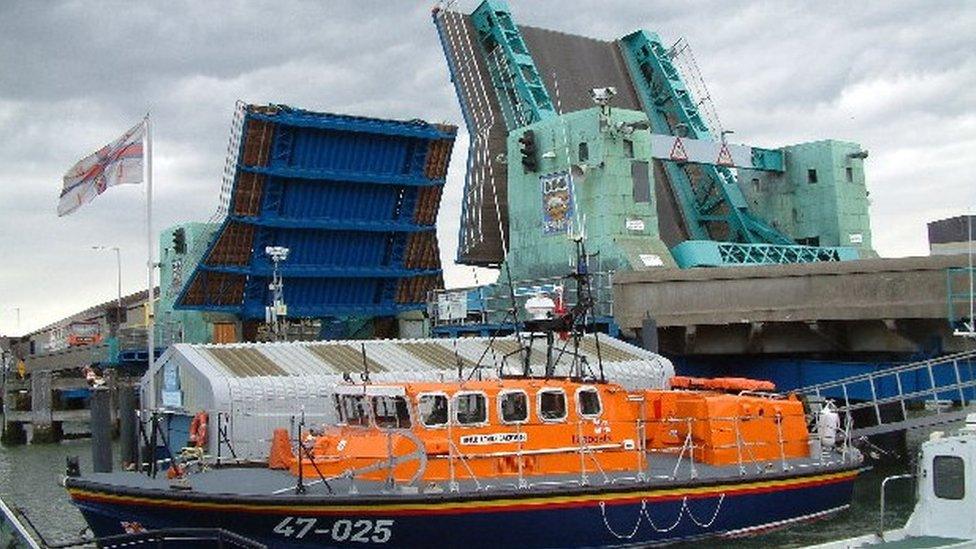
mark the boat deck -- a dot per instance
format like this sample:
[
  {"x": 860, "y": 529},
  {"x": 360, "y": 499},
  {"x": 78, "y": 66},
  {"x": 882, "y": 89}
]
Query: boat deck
[{"x": 260, "y": 482}]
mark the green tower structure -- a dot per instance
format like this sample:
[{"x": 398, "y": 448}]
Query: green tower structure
[
  {"x": 613, "y": 139},
  {"x": 177, "y": 260},
  {"x": 594, "y": 175}
]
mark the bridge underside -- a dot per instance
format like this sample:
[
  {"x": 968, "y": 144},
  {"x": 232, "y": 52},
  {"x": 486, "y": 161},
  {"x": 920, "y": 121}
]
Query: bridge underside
[{"x": 854, "y": 307}]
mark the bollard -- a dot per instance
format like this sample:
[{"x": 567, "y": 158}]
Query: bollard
[
  {"x": 649, "y": 334},
  {"x": 101, "y": 434},
  {"x": 127, "y": 425}
]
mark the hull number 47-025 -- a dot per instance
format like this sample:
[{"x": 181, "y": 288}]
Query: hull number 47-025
[{"x": 354, "y": 530}]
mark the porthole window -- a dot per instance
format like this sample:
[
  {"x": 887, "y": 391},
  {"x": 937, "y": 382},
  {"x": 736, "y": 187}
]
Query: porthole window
[
  {"x": 588, "y": 402},
  {"x": 949, "y": 477},
  {"x": 433, "y": 410},
  {"x": 470, "y": 408},
  {"x": 513, "y": 407},
  {"x": 552, "y": 405}
]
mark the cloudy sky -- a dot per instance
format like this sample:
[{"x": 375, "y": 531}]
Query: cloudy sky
[{"x": 897, "y": 76}]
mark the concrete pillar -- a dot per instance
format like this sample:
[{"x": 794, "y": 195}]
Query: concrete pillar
[
  {"x": 13, "y": 434},
  {"x": 43, "y": 431},
  {"x": 101, "y": 430},
  {"x": 649, "y": 339},
  {"x": 127, "y": 425},
  {"x": 111, "y": 383}
]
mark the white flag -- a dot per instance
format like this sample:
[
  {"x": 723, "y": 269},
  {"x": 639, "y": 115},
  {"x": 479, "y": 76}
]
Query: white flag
[{"x": 117, "y": 163}]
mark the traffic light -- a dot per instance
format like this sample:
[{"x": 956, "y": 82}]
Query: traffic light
[
  {"x": 527, "y": 146},
  {"x": 179, "y": 241}
]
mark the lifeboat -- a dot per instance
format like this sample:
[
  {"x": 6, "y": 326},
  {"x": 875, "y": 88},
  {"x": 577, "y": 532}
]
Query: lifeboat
[
  {"x": 522, "y": 461},
  {"x": 537, "y": 460}
]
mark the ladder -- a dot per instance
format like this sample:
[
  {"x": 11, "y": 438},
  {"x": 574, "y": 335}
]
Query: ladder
[{"x": 946, "y": 385}]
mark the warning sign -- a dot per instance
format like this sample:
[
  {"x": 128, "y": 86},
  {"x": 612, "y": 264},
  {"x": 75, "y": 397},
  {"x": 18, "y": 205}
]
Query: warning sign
[
  {"x": 724, "y": 156},
  {"x": 678, "y": 152}
]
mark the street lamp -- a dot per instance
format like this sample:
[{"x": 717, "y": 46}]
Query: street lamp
[
  {"x": 275, "y": 313},
  {"x": 118, "y": 262}
]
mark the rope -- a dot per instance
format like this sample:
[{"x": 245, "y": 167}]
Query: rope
[
  {"x": 603, "y": 511},
  {"x": 721, "y": 498},
  {"x": 677, "y": 520},
  {"x": 643, "y": 512}
]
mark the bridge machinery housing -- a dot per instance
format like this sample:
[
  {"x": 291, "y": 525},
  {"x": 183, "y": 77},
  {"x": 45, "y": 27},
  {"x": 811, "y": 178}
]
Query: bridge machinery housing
[{"x": 610, "y": 135}]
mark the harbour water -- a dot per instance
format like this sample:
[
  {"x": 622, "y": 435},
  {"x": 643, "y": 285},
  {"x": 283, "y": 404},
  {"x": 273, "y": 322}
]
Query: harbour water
[{"x": 29, "y": 479}]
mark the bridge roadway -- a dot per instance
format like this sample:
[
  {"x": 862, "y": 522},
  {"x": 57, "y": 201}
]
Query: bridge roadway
[{"x": 867, "y": 306}]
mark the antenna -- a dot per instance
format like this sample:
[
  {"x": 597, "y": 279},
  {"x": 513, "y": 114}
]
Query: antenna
[
  {"x": 584, "y": 296},
  {"x": 457, "y": 359},
  {"x": 365, "y": 375}
]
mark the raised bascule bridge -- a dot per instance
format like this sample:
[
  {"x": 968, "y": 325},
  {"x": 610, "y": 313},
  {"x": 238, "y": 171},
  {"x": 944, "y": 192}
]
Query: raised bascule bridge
[{"x": 731, "y": 259}]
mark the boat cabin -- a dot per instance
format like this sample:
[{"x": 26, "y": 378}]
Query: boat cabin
[
  {"x": 529, "y": 426},
  {"x": 946, "y": 485}
]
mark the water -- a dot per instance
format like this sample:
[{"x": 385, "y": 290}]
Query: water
[{"x": 29, "y": 479}]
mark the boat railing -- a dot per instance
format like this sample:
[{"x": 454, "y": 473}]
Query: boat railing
[
  {"x": 688, "y": 448},
  {"x": 166, "y": 537},
  {"x": 16, "y": 536},
  {"x": 884, "y": 485}
]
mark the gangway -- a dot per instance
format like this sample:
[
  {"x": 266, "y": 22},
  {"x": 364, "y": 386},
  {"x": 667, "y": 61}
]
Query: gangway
[{"x": 946, "y": 385}]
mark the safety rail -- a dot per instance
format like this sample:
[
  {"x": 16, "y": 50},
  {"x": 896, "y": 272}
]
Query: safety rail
[
  {"x": 13, "y": 531},
  {"x": 166, "y": 537},
  {"x": 202, "y": 242},
  {"x": 881, "y": 513},
  {"x": 934, "y": 380},
  {"x": 460, "y": 467}
]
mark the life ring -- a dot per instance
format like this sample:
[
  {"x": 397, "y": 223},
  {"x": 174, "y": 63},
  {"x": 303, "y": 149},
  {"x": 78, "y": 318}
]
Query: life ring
[{"x": 198, "y": 430}]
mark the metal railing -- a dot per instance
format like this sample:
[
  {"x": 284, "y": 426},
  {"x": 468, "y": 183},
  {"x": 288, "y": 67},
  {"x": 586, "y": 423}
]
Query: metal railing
[
  {"x": 460, "y": 463},
  {"x": 949, "y": 378},
  {"x": 201, "y": 243},
  {"x": 884, "y": 485}
]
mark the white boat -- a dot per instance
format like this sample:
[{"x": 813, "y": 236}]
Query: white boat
[{"x": 945, "y": 507}]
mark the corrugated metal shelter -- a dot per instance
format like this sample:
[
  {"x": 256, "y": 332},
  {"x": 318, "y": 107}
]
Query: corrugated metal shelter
[
  {"x": 354, "y": 199},
  {"x": 256, "y": 387}
]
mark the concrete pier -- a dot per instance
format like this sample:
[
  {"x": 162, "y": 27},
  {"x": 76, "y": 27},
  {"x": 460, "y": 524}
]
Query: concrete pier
[{"x": 850, "y": 307}]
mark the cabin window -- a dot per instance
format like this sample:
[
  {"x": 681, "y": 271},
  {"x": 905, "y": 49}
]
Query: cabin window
[
  {"x": 552, "y": 404},
  {"x": 811, "y": 175},
  {"x": 433, "y": 410},
  {"x": 949, "y": 477},
  {"x": 352, "y": 410},
  {"x": 514, "y": 406},
  {"x": 470, "y": 408},
  {"x": 588, "y": 402},
  {"x": 584, "y": 152},
  {"x": 391, "y": 412}
]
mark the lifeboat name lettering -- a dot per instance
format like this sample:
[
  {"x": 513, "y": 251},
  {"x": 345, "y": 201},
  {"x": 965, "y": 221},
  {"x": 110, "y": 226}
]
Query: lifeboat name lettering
[{"x": 493, "y": 438}]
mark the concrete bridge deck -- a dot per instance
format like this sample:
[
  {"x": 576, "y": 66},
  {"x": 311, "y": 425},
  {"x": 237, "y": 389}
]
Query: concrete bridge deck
[{"x": 871, "y": 305}]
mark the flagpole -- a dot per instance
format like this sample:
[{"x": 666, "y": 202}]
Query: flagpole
[{"x": 150, "y": 313}]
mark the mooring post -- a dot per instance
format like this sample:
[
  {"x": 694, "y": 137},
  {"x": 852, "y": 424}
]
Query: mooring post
[
  {"x": 101, "y": 430},
  {"x": 127, "y": 425}
]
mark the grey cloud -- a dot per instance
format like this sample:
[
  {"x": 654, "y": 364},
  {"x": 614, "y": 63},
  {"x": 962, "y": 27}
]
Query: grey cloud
[{"x": 894, "y": 76}]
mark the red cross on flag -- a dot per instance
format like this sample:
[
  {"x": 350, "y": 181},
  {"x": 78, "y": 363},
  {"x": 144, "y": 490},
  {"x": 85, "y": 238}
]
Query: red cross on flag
[{"x": 118, "y": 163}]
